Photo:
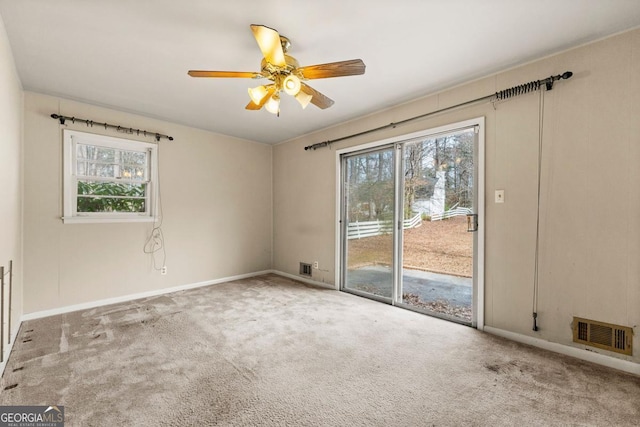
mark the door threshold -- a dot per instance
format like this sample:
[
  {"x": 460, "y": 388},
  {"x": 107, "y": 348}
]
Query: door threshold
[
  {"x": 435, "y": 314},
  {"x": 419, "y": 310},
  {"x": 367, "y": 295}
]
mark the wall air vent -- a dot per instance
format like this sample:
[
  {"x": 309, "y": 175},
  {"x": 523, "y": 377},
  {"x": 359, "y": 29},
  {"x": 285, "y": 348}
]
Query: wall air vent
[
  {"x": 603, "y": 335},
  {"x": 305, "y": 269}
]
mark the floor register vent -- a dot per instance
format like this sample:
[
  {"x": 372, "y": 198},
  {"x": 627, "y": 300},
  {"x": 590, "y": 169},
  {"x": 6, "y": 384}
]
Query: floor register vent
[
  {"x": 305, "y": 269},
  {"x": 603, "y": 335}
]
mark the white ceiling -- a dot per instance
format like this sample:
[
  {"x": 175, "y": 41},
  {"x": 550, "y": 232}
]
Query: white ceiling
[{"x": 134, "y": 55}]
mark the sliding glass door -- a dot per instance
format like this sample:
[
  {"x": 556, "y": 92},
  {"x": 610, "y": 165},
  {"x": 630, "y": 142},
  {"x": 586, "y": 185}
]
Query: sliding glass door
[
  {"x": 368, "y": 209},
  {"x": 437, "y": 247},
  {"x": 409, "y": 213}
]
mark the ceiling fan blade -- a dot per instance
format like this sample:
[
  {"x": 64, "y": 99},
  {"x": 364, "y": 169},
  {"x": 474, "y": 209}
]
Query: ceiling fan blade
[
  {"x": 352, "y": 67},
  {"x": 253, "y": 106},
  {"x": 238, "y": 74},
  {"x": 319, "y": 100},
  {"x": 269, "y": 41}
]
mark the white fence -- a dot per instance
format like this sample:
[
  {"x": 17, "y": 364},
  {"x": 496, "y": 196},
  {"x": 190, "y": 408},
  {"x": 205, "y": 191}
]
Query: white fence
[
  {"x": 414, "y": 222},
  {"x": 451, "y": 213},
  {"x": 358, "y": 230}
]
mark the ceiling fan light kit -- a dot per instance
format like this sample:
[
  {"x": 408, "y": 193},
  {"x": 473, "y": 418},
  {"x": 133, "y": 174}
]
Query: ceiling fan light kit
[
  {"x": 292, "y": 84},
  {"x": 273, "y": 104},
  {"x": 258, "y": 93},
  {"x": 304, "y": 99},
  {"x": 285, "y": 73}
]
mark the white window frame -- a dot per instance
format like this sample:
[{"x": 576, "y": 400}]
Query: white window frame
[{"x": 70, "y": 181}]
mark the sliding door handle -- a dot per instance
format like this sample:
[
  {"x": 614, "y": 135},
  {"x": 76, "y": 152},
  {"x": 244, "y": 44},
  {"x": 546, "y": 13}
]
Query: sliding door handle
[{"x": 472, "y": 223}]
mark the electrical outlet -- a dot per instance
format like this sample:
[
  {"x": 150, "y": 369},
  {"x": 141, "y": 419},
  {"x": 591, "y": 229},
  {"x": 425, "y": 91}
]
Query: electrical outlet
[
  {"x": 499, "y": 196},
  {"x": 163, "y": 270},
  {"x": 315, "y": 265}
]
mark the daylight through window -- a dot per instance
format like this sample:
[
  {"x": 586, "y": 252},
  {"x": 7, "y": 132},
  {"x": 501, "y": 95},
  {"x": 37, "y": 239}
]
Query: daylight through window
[{"x": 108, "y": 179}]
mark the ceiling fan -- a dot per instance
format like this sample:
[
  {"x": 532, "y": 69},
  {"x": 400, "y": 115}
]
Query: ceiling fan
[{"x": 285, "y": 74}]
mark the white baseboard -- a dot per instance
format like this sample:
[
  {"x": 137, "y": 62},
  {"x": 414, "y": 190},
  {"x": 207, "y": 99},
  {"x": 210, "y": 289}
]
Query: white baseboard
[
  {"x": 8, "y": 348},
  {"x": 304, "y": 279},
  {"x": 131, "y": 297},
  {"x": 157, "y": 292},
  {"x": 579, "y": 353}
]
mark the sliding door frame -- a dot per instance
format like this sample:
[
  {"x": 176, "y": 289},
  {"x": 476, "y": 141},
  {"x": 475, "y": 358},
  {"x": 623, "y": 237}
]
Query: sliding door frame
[
  {"x": 479, "y": 256},
  {"x": 343, "y": 242}
]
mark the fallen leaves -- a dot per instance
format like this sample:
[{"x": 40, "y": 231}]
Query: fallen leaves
[{"x": 440, "y": 306}]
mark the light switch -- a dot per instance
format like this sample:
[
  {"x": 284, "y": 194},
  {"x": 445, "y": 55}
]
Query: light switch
[{"x": 499, "y": 196}]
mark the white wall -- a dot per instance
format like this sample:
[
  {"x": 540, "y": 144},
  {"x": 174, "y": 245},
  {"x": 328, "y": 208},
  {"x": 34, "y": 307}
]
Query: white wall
[
  {"x": 10, "y": 174},
  {"x": 216, "y": 196},
  {"x": 590, "y": 233}
]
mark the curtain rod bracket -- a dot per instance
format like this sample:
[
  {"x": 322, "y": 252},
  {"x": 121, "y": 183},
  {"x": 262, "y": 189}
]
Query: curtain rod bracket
[{"x": 57, "y": 117}]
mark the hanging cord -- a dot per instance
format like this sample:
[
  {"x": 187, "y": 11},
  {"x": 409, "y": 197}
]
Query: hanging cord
[
  {"x": 537, "y": 254},
  {"x": 154, "y": 244},
  {"x": 155, "y": 241}
]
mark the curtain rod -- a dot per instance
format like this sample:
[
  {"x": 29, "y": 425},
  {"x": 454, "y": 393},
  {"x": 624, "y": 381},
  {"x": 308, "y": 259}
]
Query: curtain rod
[
  {"x": 498, "y": 96},
  {"x": 128, "y": 130}
]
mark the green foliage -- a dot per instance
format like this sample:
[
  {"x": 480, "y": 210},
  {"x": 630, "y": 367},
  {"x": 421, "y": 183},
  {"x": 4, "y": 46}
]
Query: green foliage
[{"x": 94, "y": 197}]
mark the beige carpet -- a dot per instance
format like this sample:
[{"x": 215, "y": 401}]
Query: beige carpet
[{"x": 271, "y": 351}]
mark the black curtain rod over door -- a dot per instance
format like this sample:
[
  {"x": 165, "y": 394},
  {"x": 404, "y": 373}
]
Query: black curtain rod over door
[
  {"x": 123, "y": 129},
  {"x": 498, "y": 96}
]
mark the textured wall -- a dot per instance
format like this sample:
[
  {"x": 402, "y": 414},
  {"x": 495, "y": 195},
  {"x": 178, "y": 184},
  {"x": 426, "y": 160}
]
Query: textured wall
[
  {"x": 589, "y": 229},
  {"x": 216, "y": 198},
  {"x": 10, "y": 172}
]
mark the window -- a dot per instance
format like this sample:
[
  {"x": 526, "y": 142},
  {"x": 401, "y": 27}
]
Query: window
[{"x": 108, "y": 179}]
